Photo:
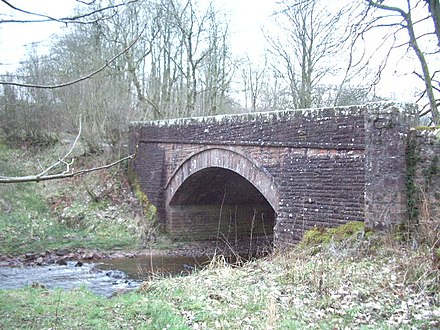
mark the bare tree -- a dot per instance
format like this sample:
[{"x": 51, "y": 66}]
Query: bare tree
[
  {"x": 217, "y": 67},
  {"x": 192, "y": 28},
  {"x": 306, "y": 50},
  {"x": 180, "y": 65},
  {"x": 407, "y": 18},
  {"x": 155, "y": 60},
  {"x": 254, "y": 79},
  {"x": 51, "y": 98},
  {"x": 274, "y": 93},
  {"x": 74, "y": 81}
]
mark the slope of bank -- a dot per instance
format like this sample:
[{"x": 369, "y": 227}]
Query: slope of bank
[{"x": 93, "y": 211}]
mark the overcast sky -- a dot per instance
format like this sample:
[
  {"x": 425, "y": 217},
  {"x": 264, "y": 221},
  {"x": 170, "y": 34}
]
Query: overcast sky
[{"x": 15, "y": 37}]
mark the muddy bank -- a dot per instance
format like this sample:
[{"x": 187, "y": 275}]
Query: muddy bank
[{"x": 245, "y": 249}]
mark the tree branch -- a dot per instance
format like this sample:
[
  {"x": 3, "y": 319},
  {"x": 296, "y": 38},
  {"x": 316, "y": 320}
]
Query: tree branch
[
  {"x": 5, "y": 83},
  {"x": 65, "y": 20},
  {"x": 63, "y": 175},
  {"x": 380, "y": 5}
]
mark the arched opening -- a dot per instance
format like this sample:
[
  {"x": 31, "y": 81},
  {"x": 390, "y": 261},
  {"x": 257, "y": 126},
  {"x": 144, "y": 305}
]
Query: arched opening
[{"x": 218, "y": 203}]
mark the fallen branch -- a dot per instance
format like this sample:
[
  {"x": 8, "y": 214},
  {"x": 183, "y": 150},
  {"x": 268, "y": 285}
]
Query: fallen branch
[{"x": 37, "y": 178}]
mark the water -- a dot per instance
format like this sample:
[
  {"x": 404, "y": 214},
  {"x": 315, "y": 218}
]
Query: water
[
  {"x": 102, "y": 277},
  {"x": 141, "y": 268}
]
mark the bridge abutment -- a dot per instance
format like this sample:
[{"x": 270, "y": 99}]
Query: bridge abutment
[{"x": 386, "y": 138}]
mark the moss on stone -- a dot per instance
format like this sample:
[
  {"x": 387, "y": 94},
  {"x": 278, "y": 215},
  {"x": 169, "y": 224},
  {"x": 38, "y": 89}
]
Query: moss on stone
[
  {"x": 321, "y": 235},
  {"x": 148, "y": 208},
  {"x": 315, "y": 236}
]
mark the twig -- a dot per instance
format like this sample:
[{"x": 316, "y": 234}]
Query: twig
[
  {"x": 219, "y": 222},
  {"x": 252, "y": 232},
  {"x": 61, "y": 160},
  {"x": 56, "y": 310},
  {"x": 46, "y": 18}
]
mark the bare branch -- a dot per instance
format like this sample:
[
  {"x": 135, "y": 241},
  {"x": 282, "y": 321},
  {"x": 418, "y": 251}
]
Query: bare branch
[
  {"x": 62, "y": 159},
  {"x": 64, "y": 20},
  {"x": 63, "y": 175},
  {"x": 86, "y": 3},
  {"x": 380, "y": 5},
  {"x": 68, "y": 171}
]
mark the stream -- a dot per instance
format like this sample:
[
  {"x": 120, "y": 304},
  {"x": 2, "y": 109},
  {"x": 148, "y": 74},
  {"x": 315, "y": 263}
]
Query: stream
[{"x": 102, "y": 277}]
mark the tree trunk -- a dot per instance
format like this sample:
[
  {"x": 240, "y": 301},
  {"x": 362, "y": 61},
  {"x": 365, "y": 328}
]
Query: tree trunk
[{"x": 434, "y": 9}]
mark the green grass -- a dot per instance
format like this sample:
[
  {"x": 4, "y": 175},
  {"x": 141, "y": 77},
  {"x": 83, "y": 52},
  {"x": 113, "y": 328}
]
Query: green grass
[
  {"x": 29, "y": 224},
  {"x": 79, "y": 309}
]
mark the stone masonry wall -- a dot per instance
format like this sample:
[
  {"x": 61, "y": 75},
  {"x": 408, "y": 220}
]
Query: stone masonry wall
[{"x": 329, "y": 166}]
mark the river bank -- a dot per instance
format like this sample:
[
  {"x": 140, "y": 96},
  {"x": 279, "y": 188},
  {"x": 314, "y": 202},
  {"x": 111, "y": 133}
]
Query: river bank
[{"x": 366, "y": 283}]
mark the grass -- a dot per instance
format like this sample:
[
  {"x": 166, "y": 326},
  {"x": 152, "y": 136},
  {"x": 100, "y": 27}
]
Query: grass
[
  {"x": 37, "y": 217},
  {"x": 364, "y": 284},
  {"x": 79, "y": 309}
]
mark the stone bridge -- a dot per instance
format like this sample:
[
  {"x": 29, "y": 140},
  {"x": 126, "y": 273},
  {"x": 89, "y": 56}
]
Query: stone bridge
[{"x": 275, "y": 173}]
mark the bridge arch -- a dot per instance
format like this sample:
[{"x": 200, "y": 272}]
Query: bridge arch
[
  {"x": 227, "y": 159},
  {"x": 219, "y": 187}
]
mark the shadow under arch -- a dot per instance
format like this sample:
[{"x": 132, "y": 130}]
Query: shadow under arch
[{"x": 220, "y": 191}]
